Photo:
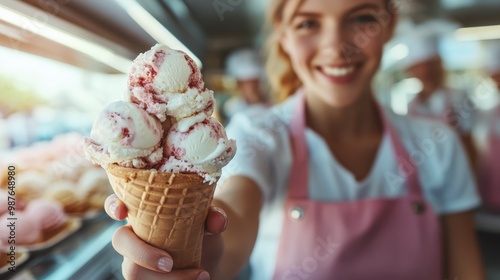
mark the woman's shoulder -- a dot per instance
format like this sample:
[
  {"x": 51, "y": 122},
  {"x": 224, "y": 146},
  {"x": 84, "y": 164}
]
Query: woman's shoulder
[
  {"x": 262, "y": 142},
  {"x": 432, "y": 143},
  {"x": 418, "y": 127},
  {"x": 274, "y": 119},
  {"x": 443, "y": 168},
  {"x": 436, "y": 150}
]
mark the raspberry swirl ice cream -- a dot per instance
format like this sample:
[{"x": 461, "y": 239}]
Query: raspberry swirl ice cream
[
  {"x": 164, "y": 121},
  {"x": 125, "y": 134},
  {"x": 200, "y": 142},
  {"x": 167, "y": 82}
]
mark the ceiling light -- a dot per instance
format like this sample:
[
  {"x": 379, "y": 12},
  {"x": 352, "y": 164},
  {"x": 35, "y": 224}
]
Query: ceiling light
[
  {"x": 154, "y": 28},
  {"x": 478, "y": 33},
  {"x": 41, "y": 28},
  {"x": 11, "y": 32}
]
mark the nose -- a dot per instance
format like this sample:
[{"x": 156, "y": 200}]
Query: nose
[{"x": 335, "y": 43}]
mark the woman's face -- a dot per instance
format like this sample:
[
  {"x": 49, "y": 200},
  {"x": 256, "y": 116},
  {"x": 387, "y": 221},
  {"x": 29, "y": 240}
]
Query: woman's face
[{"x": 335, "y": 47}]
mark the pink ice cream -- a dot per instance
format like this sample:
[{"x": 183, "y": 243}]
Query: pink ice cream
[
  {"x": 48, "y": 214},
  {"x": 26, "y": 232},
  {"x": 165, "y": 121}
]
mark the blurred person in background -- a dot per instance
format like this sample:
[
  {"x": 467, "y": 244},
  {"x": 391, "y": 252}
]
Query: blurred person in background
[
  {"x": 490, "y": 163},
  {"x": 436, "y": 100},
  {"x": 245, "y": 66}
]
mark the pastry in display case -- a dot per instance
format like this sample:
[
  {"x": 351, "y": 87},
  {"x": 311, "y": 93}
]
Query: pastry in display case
[
  {"x": 40, "y": 225},
  {"x": 58, "y": 172},
  {"x": 59, "y": 200},
  {"x": 56, "y": 188}
]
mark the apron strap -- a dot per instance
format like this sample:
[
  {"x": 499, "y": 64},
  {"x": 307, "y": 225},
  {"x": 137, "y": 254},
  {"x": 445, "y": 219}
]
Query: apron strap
[
  {"x": 492, "y": 121},
  {"x": 406, "y": 166},
  {"x": 299, "y": 173}
]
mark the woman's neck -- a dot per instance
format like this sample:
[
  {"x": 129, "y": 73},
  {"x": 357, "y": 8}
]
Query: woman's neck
[{"x": 357, "y": 120}]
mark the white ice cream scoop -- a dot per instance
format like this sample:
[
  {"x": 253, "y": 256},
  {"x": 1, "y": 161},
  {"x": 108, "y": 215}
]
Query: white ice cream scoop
[
  {"x": 163, "y": 78},
  {"x": 122, "y": 132},
  {"x": 199, "y": 140}
]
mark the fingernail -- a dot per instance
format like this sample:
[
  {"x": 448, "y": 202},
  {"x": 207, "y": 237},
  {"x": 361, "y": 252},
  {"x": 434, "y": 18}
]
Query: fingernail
[
  {"x": 112, "y": 208},
  {"x": 165, "y": 264},
  {"x": 217, "y": 209},
  {"x": 204, "y": 276}
]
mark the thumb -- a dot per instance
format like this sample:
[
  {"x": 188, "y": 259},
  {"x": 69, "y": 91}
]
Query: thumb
[
  {"x": 115, "y": 208},
  {"x": 216, "y": 221}
]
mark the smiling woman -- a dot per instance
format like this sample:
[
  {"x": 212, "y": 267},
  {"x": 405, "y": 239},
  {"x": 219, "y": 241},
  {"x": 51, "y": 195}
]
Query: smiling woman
[{"x": 322, "y": 57}]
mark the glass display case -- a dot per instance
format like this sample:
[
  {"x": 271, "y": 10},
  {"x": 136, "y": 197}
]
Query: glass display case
[{"x": 85, "y": 254}]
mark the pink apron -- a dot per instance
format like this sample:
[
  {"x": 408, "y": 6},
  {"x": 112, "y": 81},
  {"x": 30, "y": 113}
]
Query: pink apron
[
  {"x": 490, "y": 188},
  {"x": 381, "y": 238}
]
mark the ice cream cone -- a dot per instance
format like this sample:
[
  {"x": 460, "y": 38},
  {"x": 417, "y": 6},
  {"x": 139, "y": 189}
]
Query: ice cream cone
[{"x": 166, "y": 210}]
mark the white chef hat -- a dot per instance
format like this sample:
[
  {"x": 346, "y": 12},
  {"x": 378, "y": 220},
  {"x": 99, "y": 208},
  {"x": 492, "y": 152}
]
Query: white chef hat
[
  {"x": 492, "y": 56},
  {"x": 422, "y": 40},
  {"x": 244, "y": 64},
  {"x": 422, "y": 46}
]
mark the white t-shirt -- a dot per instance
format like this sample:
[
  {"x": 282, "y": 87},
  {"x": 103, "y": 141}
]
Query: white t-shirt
[
  {"x": 441, "y": 100},
  {"x": 264, "y": 155},
  {"x": 237, "y": 105}
]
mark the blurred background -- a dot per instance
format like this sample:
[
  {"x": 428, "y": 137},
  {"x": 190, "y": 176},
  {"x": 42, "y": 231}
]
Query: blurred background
[{"x": 63, "y": 60}]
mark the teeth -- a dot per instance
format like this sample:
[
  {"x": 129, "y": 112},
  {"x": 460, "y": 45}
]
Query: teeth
[{"x": 338, "y": 71}]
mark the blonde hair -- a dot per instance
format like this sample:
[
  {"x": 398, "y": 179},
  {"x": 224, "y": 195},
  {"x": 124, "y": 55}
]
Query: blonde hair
[{"x": 282, "y": 78}]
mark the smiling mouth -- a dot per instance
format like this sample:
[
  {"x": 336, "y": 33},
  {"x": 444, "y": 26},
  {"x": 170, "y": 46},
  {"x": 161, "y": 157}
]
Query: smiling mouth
[{"x": 337, "y": 72}]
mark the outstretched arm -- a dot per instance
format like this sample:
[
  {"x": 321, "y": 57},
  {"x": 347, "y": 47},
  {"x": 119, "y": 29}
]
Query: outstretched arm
[
  {"x": 462, "y": 259},
  {"x": 241, "y": 199}
]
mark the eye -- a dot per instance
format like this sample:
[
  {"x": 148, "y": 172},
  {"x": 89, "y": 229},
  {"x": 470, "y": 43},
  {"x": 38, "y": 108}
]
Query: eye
[
  {"x": 307, "y": 24},
  {"x": 367, "y": 18}
]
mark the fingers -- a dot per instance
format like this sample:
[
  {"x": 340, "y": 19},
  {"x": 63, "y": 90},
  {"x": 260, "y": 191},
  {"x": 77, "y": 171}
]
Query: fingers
[
  {"x": 132, "y": 271},
  {"x": 127, "y": 244},
  {"x": 142, "y": 261},
  {"x": 213, "y": 248},
  {"x": 216, "y": 221},
  {"x": 115, "y": 208}
]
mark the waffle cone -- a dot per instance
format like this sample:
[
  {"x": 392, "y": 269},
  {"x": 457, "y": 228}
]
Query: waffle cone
[{"x": 166, "y": 210}]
